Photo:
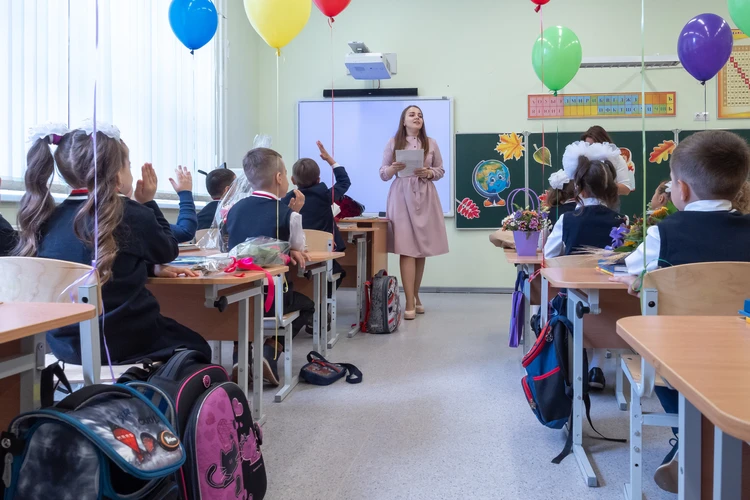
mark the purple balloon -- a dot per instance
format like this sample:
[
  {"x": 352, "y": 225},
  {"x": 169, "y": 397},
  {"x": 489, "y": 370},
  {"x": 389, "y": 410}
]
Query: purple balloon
[{"x": 705, "y": 45}]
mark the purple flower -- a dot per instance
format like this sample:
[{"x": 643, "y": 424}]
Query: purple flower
[
  {"x": 618, "y": 236},
  {"x": 534, "y": 224},
  {"x": 518, "y": 214},
  {"x": 545, "y": 215}
]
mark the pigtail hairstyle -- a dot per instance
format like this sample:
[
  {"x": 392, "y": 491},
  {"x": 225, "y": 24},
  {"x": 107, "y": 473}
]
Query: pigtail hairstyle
[
  {"x": 557, "y": 197},
  {"x": 37, "y": 203},
  {"x": 400, "y": 137},
  {"x": 597, "y": 179},
  {"x": 111, "y": 157}
]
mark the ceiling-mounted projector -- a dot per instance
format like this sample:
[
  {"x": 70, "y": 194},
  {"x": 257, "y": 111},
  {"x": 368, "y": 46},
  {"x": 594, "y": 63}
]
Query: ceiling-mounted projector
[{"x": 362, "y": 64}]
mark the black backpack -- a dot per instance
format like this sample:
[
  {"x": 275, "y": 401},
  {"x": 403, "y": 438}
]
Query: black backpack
[
  {"x": 382, "y": 304},
  {"x": 214, "y": 420}
]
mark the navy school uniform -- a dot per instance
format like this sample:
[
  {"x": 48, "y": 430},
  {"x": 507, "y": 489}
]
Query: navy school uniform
[
  {"x": 187, "y": 220},
  {"x": 588, "y": 225},
  {"x": 207, "y": 214},
  {"x": 256, "y": 216},
  {"x": 132, "y": 324},
  {"x": 8, "y": 237},
  {"x": 317, "y": 212}
]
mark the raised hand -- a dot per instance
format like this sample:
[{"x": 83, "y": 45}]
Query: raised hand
[
  {"x": 184, "y": 180},
  {"x": 324, "y": 154},
  {"x": 145, "y": 188}
]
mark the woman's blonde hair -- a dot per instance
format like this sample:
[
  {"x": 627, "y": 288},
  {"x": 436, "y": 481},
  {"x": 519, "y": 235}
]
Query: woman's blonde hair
[
  {"x": 400, "y": 137},
  {"x": 75, "y": 162}
]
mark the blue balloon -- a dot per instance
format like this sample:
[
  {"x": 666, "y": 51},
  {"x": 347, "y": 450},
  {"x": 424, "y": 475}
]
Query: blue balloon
[
  {"x": 705, "y": 45},
  {"x": 194, "y": 22}
]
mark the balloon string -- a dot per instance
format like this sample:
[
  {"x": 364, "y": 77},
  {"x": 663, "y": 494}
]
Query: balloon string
[
  {"x": 195, "y": 124},
  {"x": 643, "y": 125},
  {"x": 96, "y": 189},
  {"x": 705, "y": 107},
  {"x": 333, "y": 128},
  {"x": 541, "y": 31},
  {"x": 276, "y": 323}
]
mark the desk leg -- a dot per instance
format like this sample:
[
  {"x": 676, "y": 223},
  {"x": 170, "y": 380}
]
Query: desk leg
[
  {"x": 689, "y": 483},
  {"x": 579, "y": 451},
  {"x": 361, "y": 264},
  {"x": 727, "y": 466},
  {"x": 31, "y": 348},
  {"x": 316, "y": 318},
  {"x": 243, "y": 341},
  {"x": 544, "y": 311},
  {"x": 333, "y": 333},
  {"x": 527, "y": 340},
  {"x": 258, "y": 341}
]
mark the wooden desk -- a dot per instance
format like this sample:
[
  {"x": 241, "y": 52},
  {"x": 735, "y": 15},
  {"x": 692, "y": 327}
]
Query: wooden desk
[
  {"x": 377, "y": 247},
  {"x": 357, "y": 239},
  {"x": 214, "y": 306},
  {"x": 513, "y": 258},
  {"x": 22, "y": 333},
  {"x": 586, "y": 290},
  {"x": 707, "y": 363},
  {"x": 318, "y": 267}
]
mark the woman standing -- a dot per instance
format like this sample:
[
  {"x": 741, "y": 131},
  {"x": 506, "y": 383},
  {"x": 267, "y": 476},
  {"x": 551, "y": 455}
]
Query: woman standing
[{"x": 417, "y": 224}]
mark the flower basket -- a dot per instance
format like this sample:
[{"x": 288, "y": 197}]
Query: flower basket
[{"x": 527, "y": 224}]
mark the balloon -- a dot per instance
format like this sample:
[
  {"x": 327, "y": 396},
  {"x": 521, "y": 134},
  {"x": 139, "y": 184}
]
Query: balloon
[
  {"x": 194, "y": 22},
  {"x": 705, "y": 45},
  {"x": 278, "y": 21},
  {"x": 332, "y": 8},
  {"x": 539, "y": 4},
  {"x": 559, "y": 50},
  {"x": 740, "y": 12}
]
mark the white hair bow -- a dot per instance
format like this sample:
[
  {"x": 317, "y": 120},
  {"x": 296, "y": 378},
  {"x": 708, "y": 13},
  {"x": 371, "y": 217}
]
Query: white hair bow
[
  {"x": 107, "y": 129},
  {"x": 46, "y": 130},
  {"x": 558, "y": 179},
  {"x": 668, "y": 187},
  {"x": 594, "y": 152}
]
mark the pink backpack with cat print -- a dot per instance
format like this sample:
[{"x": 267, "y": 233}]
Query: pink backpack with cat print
[{"x": 222, "y": 443}]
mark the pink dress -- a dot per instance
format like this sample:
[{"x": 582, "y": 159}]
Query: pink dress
[{"x": 417, "y": 227}]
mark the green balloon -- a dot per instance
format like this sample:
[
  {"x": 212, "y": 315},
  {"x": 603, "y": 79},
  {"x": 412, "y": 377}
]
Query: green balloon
[
  {"x": 560, "y": 50},
  {"x": 740, "y": 12}
]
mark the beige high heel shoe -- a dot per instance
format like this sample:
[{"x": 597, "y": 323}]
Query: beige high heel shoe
[
  {"x": 409, "y": 315},
  {"x": 420, "y": 309}
]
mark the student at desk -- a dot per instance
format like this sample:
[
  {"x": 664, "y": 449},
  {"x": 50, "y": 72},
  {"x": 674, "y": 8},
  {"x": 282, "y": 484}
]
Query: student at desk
[
  {"x": 707, "y": 170},
  {"x": 133, "y": 238},
  {"x": 589, "y": 225},
  {"x": 218, "y": 182},
  {"x": 317, "y": 212},
  {"x": 263, "y": 214}
]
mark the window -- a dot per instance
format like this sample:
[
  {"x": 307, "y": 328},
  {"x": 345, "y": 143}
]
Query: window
[{"x": 165, "y": 101}]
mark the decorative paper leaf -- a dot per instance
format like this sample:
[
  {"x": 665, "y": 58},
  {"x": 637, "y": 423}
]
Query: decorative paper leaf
[
  {"x": 468, "y": 209},
  {"x": 543, "y": 156},
  {"x": 662, "y": 151},
  {"x": 625, "y": 153},
  {"x": 510, "y": 146}
]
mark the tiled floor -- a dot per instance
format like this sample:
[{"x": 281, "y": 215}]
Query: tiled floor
[{"x": 440, "y": 414}]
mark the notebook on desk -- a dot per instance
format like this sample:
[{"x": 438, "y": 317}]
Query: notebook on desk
[{"x": 612, "y": 269}]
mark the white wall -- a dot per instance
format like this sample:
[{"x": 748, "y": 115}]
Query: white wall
[{"x": 479, "y": 53}]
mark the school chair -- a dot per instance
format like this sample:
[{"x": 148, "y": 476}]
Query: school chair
[
  {"x": 31, "y": 279},
  {"x": 321, "y": 241},
  {"x": 281, "y": 324},
  {"x": 705, "y": 289},
  {"x": 588, "y": 261}
]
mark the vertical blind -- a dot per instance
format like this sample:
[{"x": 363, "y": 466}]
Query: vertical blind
[{"x": 166, "y": 102}]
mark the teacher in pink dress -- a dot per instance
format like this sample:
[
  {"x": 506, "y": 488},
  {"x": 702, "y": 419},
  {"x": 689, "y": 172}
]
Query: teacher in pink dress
[{"x": 417, "y": 228}]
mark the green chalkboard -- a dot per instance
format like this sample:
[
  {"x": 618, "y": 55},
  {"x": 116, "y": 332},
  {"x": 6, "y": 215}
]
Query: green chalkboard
[
  {"x": 631, "y": 204},
  {"x": 486, "y": 176}
]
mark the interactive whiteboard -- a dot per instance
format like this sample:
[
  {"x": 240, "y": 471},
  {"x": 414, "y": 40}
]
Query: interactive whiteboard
[{"x": 363, "y": 127}]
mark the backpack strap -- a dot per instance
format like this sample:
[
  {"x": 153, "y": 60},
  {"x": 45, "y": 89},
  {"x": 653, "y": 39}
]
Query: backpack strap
[
  {"x": 80, "y": 396},
  {"x": 587, "y": 403},
  {"x": 353, "y": 376},
  {"x": 363, "y": 326},
  {"x": 568, "y": 443},
  {"x": 47, "y": 384}
]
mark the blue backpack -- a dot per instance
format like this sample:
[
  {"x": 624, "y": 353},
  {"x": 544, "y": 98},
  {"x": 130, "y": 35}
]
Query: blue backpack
[{"x": 548, "y": 384}]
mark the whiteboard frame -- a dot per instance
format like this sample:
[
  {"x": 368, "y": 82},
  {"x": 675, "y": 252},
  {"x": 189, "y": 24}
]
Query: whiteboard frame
[{"x": 452, "y": 188}]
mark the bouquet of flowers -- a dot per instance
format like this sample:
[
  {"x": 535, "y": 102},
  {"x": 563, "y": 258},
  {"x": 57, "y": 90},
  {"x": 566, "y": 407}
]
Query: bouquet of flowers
[{"x": 527, "y": 220}]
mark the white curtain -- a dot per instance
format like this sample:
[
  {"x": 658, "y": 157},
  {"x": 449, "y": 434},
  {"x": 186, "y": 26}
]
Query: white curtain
[{"x": 166, "y": 102}]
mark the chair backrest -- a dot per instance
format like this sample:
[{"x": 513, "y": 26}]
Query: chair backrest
[
  {"x": 318, "y": 241},
  {"x": 705, "y": 289},
  {"x": 32, "y": 279},
  {"x": 572, "y": 261}
]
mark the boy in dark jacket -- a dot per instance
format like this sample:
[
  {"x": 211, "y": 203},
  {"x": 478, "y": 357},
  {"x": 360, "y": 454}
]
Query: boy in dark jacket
[{"x": 317, "y": 212}]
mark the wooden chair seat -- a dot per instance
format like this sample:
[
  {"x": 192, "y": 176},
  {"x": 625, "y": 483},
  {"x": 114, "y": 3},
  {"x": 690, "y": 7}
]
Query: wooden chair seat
[
  {"x": 633, "y": 364},
  {"x": 286, "y": 320}
]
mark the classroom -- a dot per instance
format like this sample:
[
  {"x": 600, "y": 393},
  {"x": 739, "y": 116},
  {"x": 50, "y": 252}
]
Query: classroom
[{"x": 519, "y": 230}]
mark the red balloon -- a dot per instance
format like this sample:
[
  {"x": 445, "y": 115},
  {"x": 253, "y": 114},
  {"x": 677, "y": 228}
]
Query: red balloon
[
  {"x": 333, "y": 8},
  {"x": 538, "y": 3}
]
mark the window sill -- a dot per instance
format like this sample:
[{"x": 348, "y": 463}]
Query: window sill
[{"x": 9, "y": 196}]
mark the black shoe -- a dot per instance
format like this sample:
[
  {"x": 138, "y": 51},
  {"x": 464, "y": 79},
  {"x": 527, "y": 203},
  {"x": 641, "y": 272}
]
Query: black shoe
[
  {"x": 270, "y": 369},
  {"x": 596, "y": 379}
]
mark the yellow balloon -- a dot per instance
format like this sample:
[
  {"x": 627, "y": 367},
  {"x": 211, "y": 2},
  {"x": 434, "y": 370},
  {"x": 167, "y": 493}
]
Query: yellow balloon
[{"x": 278, "y": 21}]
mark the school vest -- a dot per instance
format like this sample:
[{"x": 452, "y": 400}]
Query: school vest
[
  {"x": 692, "y": 237},
  {"x": 589, "y": 226},
  {"x": 255, "y": 216}
]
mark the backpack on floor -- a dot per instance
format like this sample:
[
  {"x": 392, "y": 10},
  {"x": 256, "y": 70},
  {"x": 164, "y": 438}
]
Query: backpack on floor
[
  {"x": 382, "y": 304},
  {"x": 102, "y": 441},
  {"x": 320, "y": 371},
  {"x": 517, "y": 318},
  {"x": 222, "y": 444},
  {"x": 548, "y": 384}
]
